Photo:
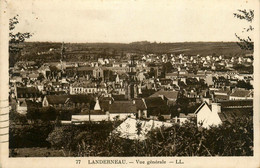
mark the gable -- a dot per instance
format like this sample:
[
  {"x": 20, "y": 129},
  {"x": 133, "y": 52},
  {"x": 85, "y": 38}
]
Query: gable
[{"x": 202, "y": 106}]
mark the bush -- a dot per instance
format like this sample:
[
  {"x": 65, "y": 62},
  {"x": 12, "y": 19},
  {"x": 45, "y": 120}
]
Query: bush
[
  {"x": 29, "y": 135},
  {"x": 229, "y": 139}
]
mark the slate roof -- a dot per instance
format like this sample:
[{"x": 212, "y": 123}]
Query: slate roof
[
  {"x": 231, "y": 114},
  {"x": 80, "y": 98},
  {"x": 119, "y": 97},
  {"x": 57, "y": 99},
  {"x": 167, "y": 94},
  {"x": 231, "y": 109},
  {"x": 221, "y": 97},
  {"x": 140, "y": 105},
  {"x": 154, "y": 102},
  {"x": 241, "y": 93},
  {"x": 61, "y": 99},
  {"x": 104, "y": 105},
  {"x": 236, "y": 103},
  {"x": 122, "y": 107},
  {"x": 28, "y": 90}
]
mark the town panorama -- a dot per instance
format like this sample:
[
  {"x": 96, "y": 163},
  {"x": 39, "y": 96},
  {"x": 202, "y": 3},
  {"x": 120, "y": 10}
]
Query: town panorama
[{"x": 137, "y": 99}]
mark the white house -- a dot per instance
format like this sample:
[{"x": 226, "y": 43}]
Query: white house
[{"x": 207, "y": 117}]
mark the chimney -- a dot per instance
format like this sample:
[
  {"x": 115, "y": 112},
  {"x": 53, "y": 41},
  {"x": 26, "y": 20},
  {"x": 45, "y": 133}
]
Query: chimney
[
  {"x": 133, "y": 101},
  {"x": 216, "y": 108}
]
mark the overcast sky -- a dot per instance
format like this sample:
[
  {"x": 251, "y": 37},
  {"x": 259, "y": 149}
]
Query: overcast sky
[{"x": 128, "y": 21}]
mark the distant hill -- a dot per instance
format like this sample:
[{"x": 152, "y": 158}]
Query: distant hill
[{"x": 80, "y": 50}]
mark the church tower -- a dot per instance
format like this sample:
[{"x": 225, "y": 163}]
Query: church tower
[{"x": 131, "y": 86}]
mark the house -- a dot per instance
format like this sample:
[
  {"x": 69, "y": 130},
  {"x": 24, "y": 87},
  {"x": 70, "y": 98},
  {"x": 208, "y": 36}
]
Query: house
[
  {"x": 98, "y": 73},
  {"x": 156, "y": 107},
  {"x": 166, "y": 83},
  {"x": 119, "y": 88},
  {"x": 221, "y": 94},
  {"x": 68, "y": 101},
  {"x": 33, "y": 76},
  {"x": 141, "y": 108},
  {"x": 172, "y": 76},
  {"x": 27, "y": 93},
  {"x": 231, "y": 109},
  {"x": 241, "y": 94},
  {"x": 207, "y": 116},
  {"x": 121, "y": 109},
  {"x": 222, "y": 111},
  {"x": 83, "y": 88},
  {"x": 109, "y": 110}
]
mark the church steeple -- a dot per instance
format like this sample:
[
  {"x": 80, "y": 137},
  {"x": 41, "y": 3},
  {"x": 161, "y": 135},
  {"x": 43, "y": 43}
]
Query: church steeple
[
  {"x": 131, "y": 88},
  {"x": 132, "y": 70}
]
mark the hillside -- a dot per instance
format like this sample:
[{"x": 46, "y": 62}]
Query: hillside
[{"x": 89, "y": 51}]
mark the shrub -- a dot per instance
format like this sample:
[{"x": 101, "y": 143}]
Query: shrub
[{"x": 230, "y": 139}]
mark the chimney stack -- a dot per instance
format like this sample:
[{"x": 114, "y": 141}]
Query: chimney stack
[{"x": 216, "y": 108}]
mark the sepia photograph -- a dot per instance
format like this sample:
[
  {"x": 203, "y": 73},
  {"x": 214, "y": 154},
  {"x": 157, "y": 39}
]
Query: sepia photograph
[{"x": 111, "y": 80}]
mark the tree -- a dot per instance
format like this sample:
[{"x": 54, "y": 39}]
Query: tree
[
  {"x": 243, "y": 84},
  {"x": 15, "y": 40},
  {"x": 151, "y": 73},
  {"x": 248, "y": 15},
  {"x": 167, "y": 67}
]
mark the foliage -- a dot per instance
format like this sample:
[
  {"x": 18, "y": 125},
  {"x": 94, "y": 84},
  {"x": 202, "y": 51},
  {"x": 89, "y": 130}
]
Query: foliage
[
  {"x": 29, "y": 135},
  {"x": 17, "y": 118},
  {"x": 166, "y": 68},
  {"x": 62, "y": 137},
  {"x": 248, "y": 15},
  {"x": 243, "y": 84},
  {"x": 15, "y": 39},
  {"x": 229, "y": 139},
  {"x": 44, "y": 114},
  {"x": 78, "y": 138},
  {"x": 151, "y": 73}
]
